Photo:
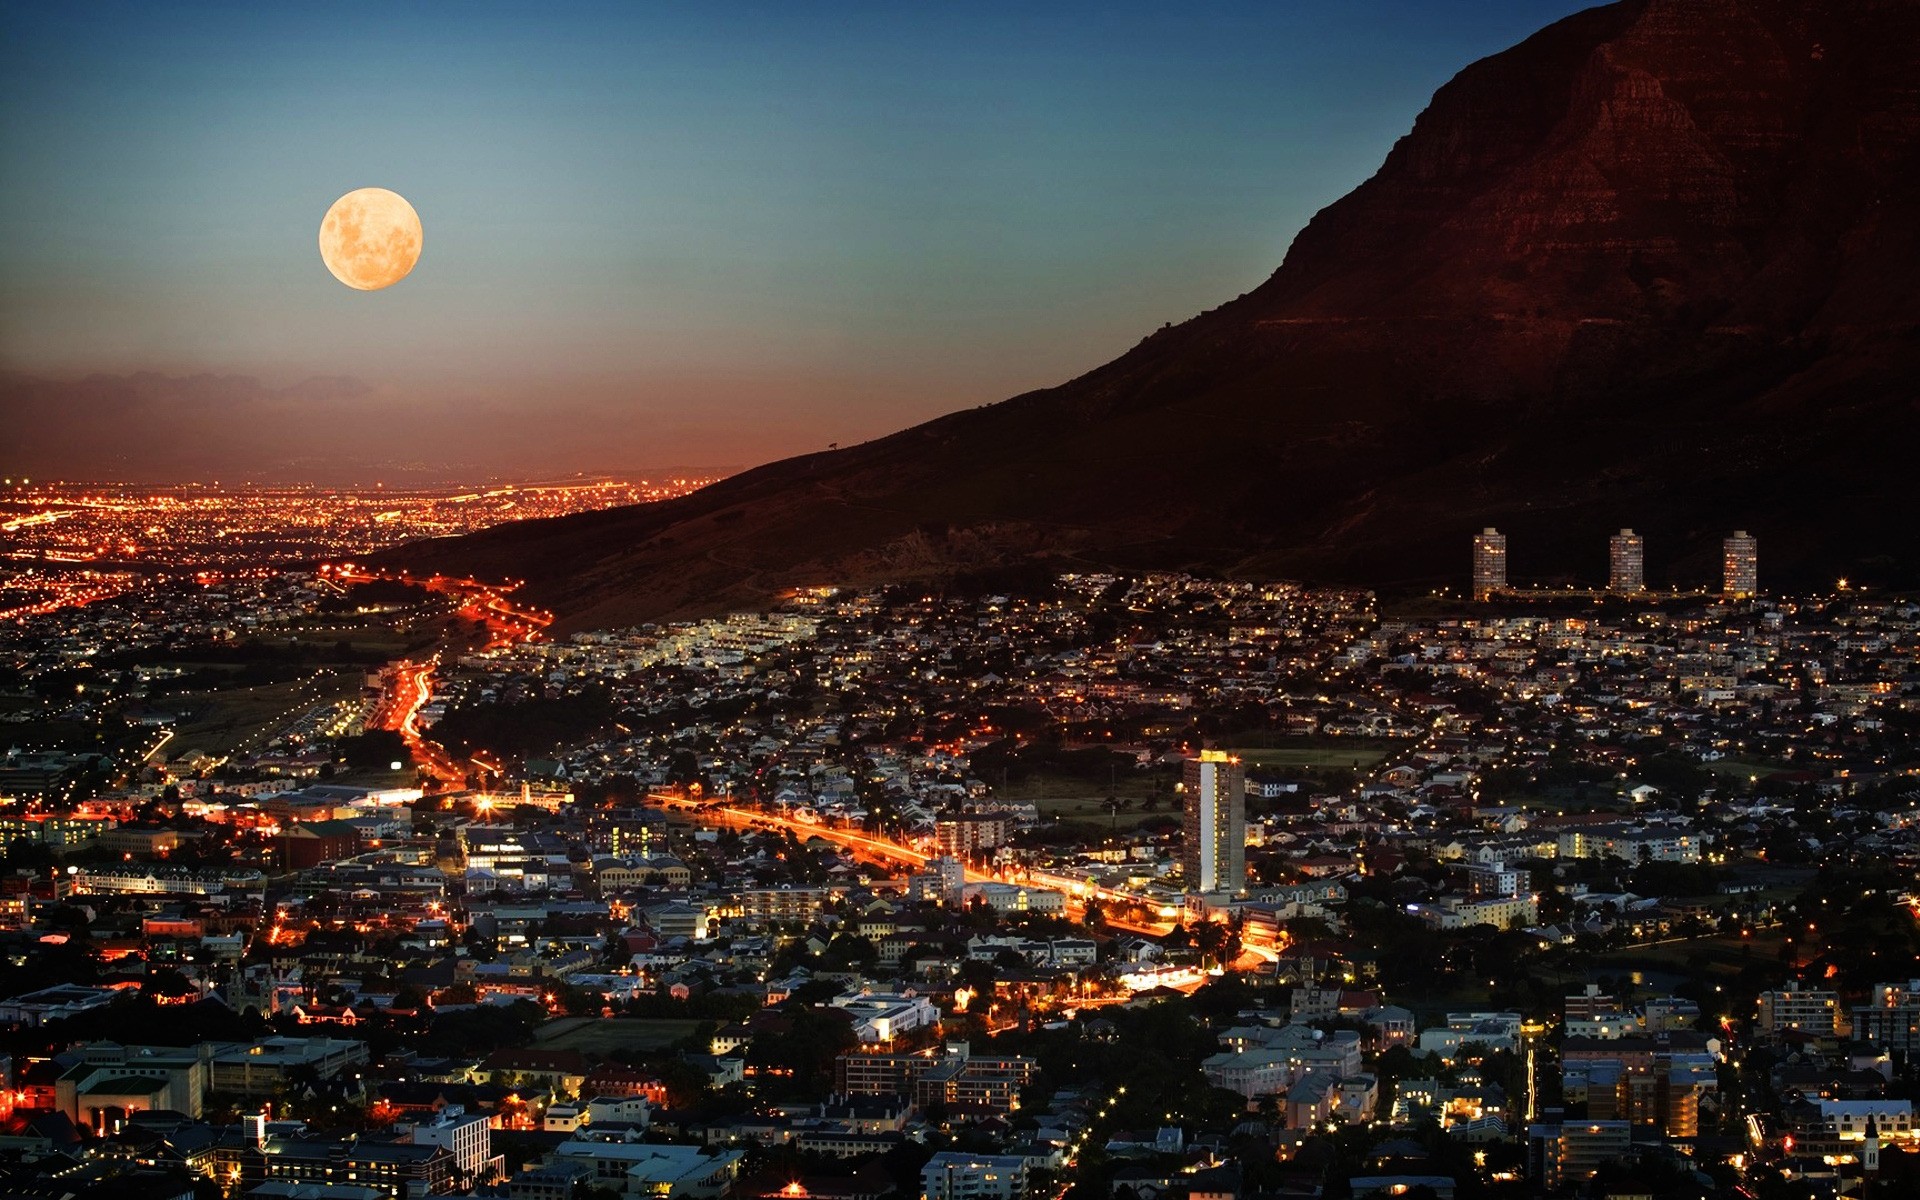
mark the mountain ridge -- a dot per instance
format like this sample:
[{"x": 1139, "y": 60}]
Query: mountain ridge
[{"x": 1653, "y": 266}]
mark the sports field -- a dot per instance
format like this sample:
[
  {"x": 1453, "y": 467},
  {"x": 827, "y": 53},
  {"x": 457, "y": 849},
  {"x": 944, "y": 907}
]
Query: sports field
[
  {"x": 602, "y": 1036},
  {"x": 236, "y": 719},
  {"x": 1357, "y": 755}
]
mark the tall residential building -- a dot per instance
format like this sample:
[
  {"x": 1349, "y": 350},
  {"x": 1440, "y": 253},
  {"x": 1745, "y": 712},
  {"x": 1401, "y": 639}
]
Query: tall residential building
[
  {"x": 1815, "y": 1011},
  {"x": 1214, "y": 857},
  {"x": 940, "y": 881},
  {"x": 1489, "y": 563},
  {"x": 1572, "y": 1152},
  {"x": 1626, "y": 562},
  {"x": 1740, "y": 576},
  {"x": 1589, "y": 1004},
  {"x": 1891, "y": 1018},
  {"x": 968, "y": 834}
]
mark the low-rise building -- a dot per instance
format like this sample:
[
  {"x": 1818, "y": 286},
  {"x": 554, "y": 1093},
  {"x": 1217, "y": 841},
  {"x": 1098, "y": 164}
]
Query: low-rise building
[
  {"x": 953, "y": 1175},
  {"x": 264, "y": 1068},
  {"x": 957, "y": 1076},
  {"x": 667, "y": 1172}
]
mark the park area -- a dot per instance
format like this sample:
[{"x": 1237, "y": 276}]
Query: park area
[
  {"x": 601, "y": 1037},
  {"x": 1323, "y": 754},
  {"x": 222, "y": 723}
]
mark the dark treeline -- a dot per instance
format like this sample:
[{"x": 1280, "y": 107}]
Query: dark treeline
[{"x": 523, "y": 728}]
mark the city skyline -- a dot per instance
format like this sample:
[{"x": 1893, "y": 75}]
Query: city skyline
[
  {"x": 436, "y": 762},
  {"x": 1255, "y": 678}
]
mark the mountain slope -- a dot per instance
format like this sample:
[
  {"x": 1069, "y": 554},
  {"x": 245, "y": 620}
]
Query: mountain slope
[{"x": 1654, "y": 266}]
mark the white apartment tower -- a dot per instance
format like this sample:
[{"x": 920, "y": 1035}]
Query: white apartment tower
[
  {"x": 1626, "y": 562},
  {"x": 1214, "y": 858},
  {"x": 1741, "y": 571},
  {"x": 1489, "y": 563}
]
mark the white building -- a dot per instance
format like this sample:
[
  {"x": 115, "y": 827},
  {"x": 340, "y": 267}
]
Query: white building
[
  {"x": 1455, "y": 912},
  {"x": 1489, "y": 563},
  {"x": 882, "y": 1017},
  {"x": 1631, "y": 845},
  {"x": 54, "y": 1004},
  {"x": 1009, "y": 897},
  {"x": 465, "y": 1135},
  {"x": 1214, "y": 855},
  {"x": 1252, "y": 1073},
  {"x": 1740, "y": 569},
  {"x": 955, "y": 1176},
  {"x": 1626, "y": 562},
  {"x": 1847, "y": 1119},
  {"x": 941, "y": 881},
  {"x": 667, "y": 1172}
]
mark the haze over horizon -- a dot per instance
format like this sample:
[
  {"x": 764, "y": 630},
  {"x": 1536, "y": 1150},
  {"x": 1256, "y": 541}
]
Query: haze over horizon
[{"x": 709, "y": 238}]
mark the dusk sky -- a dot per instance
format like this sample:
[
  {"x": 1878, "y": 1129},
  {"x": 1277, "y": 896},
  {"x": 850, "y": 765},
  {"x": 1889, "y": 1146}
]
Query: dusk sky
[{"x": 689, "y": 234}]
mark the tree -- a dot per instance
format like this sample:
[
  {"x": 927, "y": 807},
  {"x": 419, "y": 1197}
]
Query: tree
[
  {"x": 850, "y": 949},
  {"x": 1210, "y": 938},
  {"x": 807, "y": 1051},
  {"x": 166, "y": 982},
  {"x": 1096, "y": 915},
  {"x": 578, "y": 1001},
  {"x": 373, "y": 750},
  {"x": 410, "y": 998}
]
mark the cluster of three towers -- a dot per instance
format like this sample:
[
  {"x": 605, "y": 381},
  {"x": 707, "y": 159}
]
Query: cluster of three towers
[{"x": 1626, "y": 564}]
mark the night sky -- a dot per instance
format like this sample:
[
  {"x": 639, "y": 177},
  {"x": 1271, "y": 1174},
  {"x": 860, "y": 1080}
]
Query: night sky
[{"x": 689, "y": 234}]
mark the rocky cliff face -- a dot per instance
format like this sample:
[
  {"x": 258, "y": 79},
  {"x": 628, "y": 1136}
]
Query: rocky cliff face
[{"x": 1653, "y": 266}]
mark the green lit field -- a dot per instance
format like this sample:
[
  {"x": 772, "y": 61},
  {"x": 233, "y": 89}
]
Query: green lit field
[
  {"x": 1742, "y": 768},
  {"x": 1358, "y": 755},
  {"x": 1092, "y": 808},
  {"x": 223, "y": 722},
  {"x": 598, "y": 1036}
]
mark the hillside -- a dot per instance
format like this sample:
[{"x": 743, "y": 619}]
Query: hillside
[{"x": 1654, "y": 266}]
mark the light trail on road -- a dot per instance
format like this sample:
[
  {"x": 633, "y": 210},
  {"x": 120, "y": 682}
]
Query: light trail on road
[
  {"x": 410, "y": 683},
  {"x": 892, "y": 851}
]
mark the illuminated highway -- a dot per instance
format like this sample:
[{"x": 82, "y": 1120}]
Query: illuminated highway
[
  {"x": 409, "y": 688},
  {"x": 69, "y": 593},
  {"x": 410, "y": 684},
  {"x": 892, "y": 852},
  {"x": 1255, "y": 951}
]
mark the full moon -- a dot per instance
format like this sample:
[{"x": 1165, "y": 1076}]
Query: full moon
[{"x": 370, "y": 239}]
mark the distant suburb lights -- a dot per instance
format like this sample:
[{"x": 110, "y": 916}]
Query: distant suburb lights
[{"x": 370, "y": 239}]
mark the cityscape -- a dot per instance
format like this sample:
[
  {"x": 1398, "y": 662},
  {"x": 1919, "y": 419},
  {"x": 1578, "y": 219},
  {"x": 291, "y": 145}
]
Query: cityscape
[
  {"x": 887, "y": 884},
  {"x": 69, "y": 544},
  {"x": 1146, "y": 787}
]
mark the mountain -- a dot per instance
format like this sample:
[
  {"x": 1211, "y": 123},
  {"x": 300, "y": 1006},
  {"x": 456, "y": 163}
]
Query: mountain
[{"x": 1654, "y": 266}]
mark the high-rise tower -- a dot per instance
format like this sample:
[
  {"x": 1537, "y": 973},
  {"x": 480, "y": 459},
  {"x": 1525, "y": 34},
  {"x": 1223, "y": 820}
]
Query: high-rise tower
[
  {"x": 1626, "y": 562},
  {"x": 1214, "y": 858},
  {"x": 1489, "y": 563},
  {"x": 1740, "y": 575}
]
